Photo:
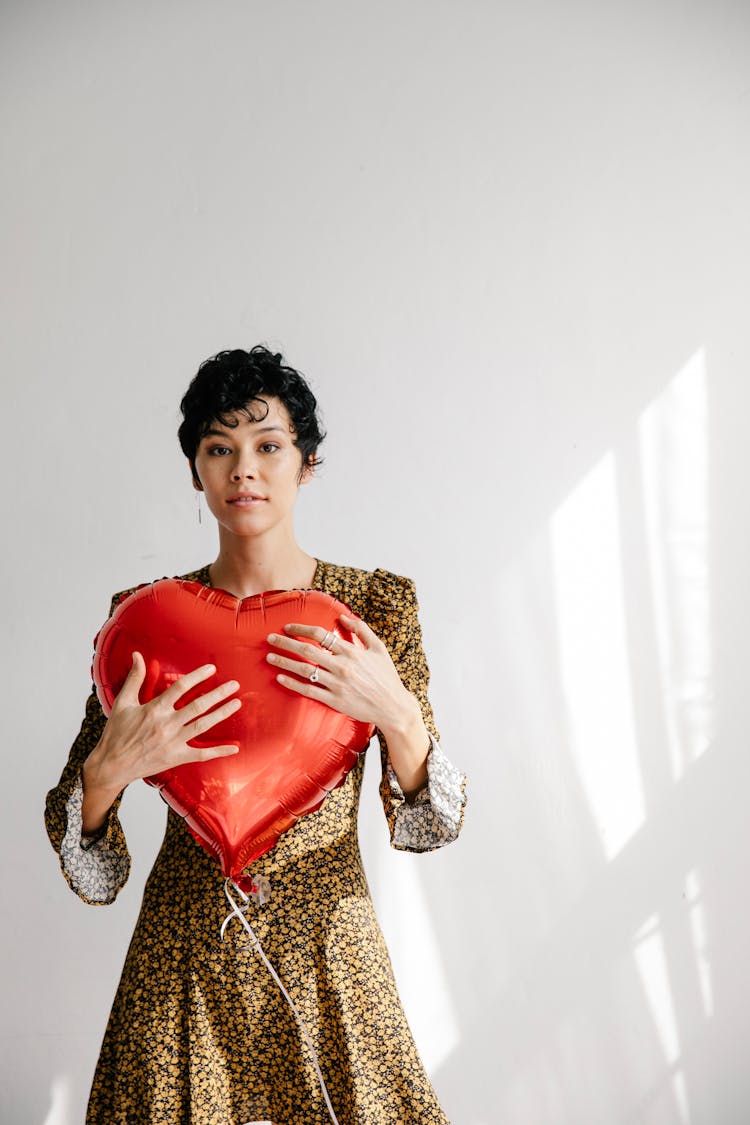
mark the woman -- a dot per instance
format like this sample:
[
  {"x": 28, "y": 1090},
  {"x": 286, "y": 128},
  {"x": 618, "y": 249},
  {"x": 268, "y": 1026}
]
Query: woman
[{"x": 199, "y": 1031}]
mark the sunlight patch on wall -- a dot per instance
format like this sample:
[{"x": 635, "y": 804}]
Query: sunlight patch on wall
[
  {"x": 699, "y": 935},
  {"x": 417, "y": 961},
  {"x": 673, "y": 437},
  {"x": 651, "y": 963},
  {"x": 585, "y": 543},
  {"x": 59, "y": 1110}
]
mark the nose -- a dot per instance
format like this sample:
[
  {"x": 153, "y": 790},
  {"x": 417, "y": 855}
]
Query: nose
[
  {"x": 244, "y": 467},
  {"x": 244, "y": 464},
  {"x": 244, "y": 473}
]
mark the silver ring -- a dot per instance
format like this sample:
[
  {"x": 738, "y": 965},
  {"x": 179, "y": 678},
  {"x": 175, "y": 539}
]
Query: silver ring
[
  {"x": 329, "y": 640},
  {"x": 314, "y": 676}
]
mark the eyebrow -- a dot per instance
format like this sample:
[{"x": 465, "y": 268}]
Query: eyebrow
[{"x": 230, "y": 430}]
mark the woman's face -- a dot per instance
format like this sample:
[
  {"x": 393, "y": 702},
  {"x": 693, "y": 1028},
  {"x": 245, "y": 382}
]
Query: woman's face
[{"x": 250, "y": 473}]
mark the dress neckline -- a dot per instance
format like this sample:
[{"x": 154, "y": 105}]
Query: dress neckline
[{"x": 204, "y": 577}]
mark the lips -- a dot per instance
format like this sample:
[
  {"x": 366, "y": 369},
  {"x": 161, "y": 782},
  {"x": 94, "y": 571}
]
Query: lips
[{"x": 245, "y": 500}]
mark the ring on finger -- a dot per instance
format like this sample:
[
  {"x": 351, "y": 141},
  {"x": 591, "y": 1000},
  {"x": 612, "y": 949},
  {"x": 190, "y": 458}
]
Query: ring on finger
[
  {"x": 314, "y": 675},
  {"x": 329, "y": 640}
]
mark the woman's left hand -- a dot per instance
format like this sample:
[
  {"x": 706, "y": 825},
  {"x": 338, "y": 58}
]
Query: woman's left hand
[{"x": 361, "y": 682}]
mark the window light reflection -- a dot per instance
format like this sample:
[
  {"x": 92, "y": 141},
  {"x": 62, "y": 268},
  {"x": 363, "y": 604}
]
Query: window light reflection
[
  {"x": 673, "y": 434},
  {"x": 651, "y": 963},
  {"x": 699, "y": 934},
  {"x": 60, "y": 1099},
  {"x": 417, "y": 961},
  {"x": 593, "y": 655}
]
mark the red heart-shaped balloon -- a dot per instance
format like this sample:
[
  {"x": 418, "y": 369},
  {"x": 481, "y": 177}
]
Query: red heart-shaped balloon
[{"x": 293, "y": 750}]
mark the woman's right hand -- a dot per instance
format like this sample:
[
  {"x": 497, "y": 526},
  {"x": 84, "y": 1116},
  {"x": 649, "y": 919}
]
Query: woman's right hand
[{"x": 141, "y": 739}]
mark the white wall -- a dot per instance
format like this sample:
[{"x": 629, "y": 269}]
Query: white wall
[{"x": 509, "y": 244}]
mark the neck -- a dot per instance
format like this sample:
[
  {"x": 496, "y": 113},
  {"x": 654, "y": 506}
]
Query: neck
[{"x": 247, "y": 566}]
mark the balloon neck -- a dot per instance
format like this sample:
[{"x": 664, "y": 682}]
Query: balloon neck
[
  {"x": 258, "y": 889},
  {"x": 246, "y": 884}
]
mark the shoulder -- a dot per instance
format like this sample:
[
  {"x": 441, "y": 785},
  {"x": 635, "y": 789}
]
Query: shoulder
[
  {"x": 378, "y": 596},
  {"x": 389, "y": 591}
]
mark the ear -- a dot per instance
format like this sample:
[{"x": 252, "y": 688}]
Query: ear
[
  {"x": 308, "y": 472},
  {"x": 196, "y": 479}
]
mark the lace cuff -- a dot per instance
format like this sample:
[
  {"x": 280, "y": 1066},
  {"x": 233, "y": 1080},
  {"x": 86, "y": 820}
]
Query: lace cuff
[
  {"x": 435, "y": 815},
  {"x": 93, "y": 865}
]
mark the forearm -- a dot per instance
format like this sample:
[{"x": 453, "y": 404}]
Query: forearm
[
  {"x": 408, "y": 743},
  {"x": 98, "y": 797}
]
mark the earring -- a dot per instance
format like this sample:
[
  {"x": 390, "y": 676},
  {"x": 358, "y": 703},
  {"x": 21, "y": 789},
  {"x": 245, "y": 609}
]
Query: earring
[{"x": 198, "y": 505}]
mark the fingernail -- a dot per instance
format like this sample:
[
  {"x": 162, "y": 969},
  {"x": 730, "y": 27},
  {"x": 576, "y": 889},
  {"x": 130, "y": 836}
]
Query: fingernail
[
  {"x": 233, "y": 684},
  {"x": 272, "y": 638},
  {"x": 209, "y": 667}
]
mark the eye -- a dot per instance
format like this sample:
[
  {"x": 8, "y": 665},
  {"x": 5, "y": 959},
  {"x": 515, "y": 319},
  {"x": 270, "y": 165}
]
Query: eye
[
  {"x": 269, "y": 447},
  {"x": 218, "y": 451}
]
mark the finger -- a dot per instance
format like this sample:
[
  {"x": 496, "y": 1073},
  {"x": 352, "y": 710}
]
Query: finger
[
  {"x": 129, "y": 691},
  {"x": 206, "y": 753},
  {"x": 205, "y": 722},
  {"x": 304, "y": 687},
  {"x": 299, "y": 667},
  {"x": 313, "y": 654},
  {"x": 328, "y": 639},
  {"x": 361, "y": 629},
  {"x": 184, "y": 684},
  {"x": 205, "y": 702},
  {"x": 315, "y": 632}
]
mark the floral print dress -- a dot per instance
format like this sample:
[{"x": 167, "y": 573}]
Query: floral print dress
[{"x": 199, "y": 1031}]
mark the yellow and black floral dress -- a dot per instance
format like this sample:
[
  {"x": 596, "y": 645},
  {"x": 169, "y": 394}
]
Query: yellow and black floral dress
[{"x": 199, "y": 1032}]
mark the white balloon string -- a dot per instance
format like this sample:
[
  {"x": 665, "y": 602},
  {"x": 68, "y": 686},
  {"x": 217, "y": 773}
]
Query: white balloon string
[{"x": 239, "y": 912}]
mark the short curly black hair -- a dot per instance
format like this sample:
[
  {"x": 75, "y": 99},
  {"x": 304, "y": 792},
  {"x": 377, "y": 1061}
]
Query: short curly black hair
[{"x": 234, "y": 382}]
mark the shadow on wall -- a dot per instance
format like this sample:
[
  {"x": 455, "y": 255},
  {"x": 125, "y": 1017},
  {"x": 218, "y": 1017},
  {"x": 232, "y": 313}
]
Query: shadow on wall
[{"x": 597, "y": 994}]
